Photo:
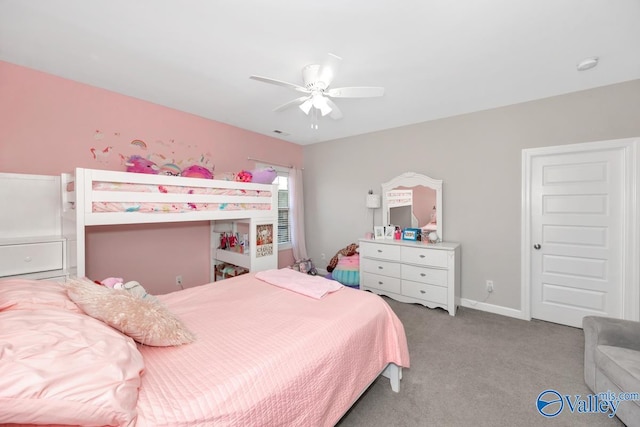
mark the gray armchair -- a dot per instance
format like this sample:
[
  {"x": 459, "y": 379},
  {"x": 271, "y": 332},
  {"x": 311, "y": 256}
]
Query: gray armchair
[{"x": 612, "y": 361}]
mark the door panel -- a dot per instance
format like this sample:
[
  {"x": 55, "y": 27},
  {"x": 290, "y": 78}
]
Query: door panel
[
  {"x": 564, "y": 296},
  {"x": 575, "y": 234}
]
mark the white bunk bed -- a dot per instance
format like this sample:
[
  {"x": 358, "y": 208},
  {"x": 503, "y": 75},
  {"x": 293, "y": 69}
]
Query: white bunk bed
[{"x": 98, "y": 197}]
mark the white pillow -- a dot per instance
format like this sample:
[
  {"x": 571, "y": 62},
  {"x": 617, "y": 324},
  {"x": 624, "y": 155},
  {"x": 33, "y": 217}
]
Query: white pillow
[{"x": 146, "y": 321}]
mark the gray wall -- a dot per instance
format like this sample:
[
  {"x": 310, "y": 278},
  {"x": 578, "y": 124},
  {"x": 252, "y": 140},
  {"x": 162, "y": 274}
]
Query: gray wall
[{"x": 478, "y": 156}]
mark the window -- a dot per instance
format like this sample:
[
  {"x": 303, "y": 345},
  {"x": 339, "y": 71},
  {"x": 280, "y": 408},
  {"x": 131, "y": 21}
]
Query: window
[{"x": 284, "y": 218}]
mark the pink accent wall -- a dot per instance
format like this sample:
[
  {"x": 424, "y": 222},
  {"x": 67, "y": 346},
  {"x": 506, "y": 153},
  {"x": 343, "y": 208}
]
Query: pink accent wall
[{"x": 50, "y": 125}]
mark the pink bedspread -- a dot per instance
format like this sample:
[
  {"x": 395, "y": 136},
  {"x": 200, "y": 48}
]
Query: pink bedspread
[{"x": 266, "y": 356}]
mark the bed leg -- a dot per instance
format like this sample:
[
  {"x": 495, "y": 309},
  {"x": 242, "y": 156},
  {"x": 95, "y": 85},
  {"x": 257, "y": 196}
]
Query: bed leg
[{"x": 394, "y": 373}]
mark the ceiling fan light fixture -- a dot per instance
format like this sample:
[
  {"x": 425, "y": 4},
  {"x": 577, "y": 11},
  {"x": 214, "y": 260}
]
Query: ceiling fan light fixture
[
  {"x": 306, "y": 106},
  {"x": 320, "y": 103},
  {"x": 318, "y": 96},
  {"x": 324, "y": 110}
]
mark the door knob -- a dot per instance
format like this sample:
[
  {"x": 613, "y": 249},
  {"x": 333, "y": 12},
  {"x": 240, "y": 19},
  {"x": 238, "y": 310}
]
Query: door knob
[{"x": 537, "y": 246}]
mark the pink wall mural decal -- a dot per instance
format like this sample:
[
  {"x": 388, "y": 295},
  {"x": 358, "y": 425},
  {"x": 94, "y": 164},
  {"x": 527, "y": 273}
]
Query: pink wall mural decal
[{"x": 162, "y": 153}]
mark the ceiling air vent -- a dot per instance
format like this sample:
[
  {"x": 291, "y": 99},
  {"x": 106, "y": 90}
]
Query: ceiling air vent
[{"x": 279, "y": 132}]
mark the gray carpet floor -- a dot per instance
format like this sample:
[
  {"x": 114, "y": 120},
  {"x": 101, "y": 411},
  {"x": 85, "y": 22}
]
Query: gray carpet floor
[{"x": 478, "y": 369}]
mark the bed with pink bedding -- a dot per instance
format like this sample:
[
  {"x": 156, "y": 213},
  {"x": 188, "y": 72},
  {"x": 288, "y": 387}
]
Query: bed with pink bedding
[{"x": 264, "y": 355}]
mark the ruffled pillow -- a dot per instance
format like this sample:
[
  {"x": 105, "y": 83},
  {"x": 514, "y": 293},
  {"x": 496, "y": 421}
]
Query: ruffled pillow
[{"x": 146, "y": 321}]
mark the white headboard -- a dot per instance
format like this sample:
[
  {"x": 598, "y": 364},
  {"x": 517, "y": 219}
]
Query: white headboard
[{"x": 29, "y": 205}]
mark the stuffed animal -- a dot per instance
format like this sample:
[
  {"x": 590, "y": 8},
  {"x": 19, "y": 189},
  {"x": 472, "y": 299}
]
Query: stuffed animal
[
  {"x": 264, "y": 176},
  {"x": 197, "y": 171},
  {"x": 137, "y": 290},
  {"x": 347, "y": 271},
  {"x": 348, "y": 251},
  {"x": 112, "y": 282},
  {"x": 170, "y": 169},
  {"x": 139, "y": 164},
  {"x": 244, "y": 176}
]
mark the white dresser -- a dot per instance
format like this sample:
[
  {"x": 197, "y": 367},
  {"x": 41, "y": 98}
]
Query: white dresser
[
  {"x": 41, "y": 257},
  {"x": 412, "y": 272}
]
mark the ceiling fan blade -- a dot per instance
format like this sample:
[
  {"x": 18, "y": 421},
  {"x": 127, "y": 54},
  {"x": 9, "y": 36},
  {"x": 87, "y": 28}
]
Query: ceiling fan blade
[
  {"x": 280, "y": 83},
  {"x": 335, "y": 111},
  {"x": 291, "y": 103},
  {"x": 329, "y": 69},
  {"x": 355, "y": 92}
]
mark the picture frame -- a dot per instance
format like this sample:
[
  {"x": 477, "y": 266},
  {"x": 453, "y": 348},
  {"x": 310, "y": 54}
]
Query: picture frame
[
  {"x": 378, "y": 232},
  {"x": 410, "y": 234},
  {"x": 388, "y": 231}
]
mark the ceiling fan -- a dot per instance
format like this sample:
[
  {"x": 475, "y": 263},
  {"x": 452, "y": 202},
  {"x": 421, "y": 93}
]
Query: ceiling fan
[{"x": 317, "y": 94}]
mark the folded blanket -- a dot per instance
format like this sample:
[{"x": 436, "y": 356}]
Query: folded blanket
[{"x": 311, "y": 286}]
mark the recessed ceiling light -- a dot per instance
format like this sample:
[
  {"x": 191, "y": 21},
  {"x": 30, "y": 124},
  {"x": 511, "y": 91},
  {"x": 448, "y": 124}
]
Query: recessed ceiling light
[{"x": 587, "y": 64}]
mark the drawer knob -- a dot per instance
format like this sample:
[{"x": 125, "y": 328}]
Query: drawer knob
[
  {"x": 379, "y": 282},
  {"x": 27, "y": 259},
  {"x": 422, "y": 292},
  {"x": 422, "y": 274},
  {"x": 379, "y": 251},
  {"x": 380, "y": 267},
  {"x": 422, "y": 255}
]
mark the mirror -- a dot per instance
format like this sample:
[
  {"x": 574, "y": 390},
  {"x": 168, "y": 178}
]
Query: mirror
[{"x": 413, "y": 200}]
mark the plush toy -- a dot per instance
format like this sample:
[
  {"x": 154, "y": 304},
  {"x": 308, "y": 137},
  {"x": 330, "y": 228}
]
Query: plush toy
[
  {"x": 347, "y": 271},
  {"x": 170, "y": 169},
  {"x": 264, "y": 176},
  {"x": 137, "y": 290},
  {"x": 197, "y": 171},
  {"x": 348, "y": 251},
  {"x": 112, "y": 282},
  {"x": 133, "y": 287},
  {"x": 139, "y": 164},
  {"x": 244, "y": 176}
]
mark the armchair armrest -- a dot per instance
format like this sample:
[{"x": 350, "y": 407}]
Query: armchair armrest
[
  {"x": 614, "y": 332},
  {"x": 606, "y": 331}
]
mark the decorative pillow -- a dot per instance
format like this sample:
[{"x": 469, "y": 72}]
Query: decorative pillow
[
  {"x": 347, "y": 271},
  {"x": 65, "y": 368},
  {"x": 144, "y": 320},
  {"x": 20, "y": 294}
]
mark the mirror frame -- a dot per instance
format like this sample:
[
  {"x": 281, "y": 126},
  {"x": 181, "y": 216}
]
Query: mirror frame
[{"x": 412, "y": 179}]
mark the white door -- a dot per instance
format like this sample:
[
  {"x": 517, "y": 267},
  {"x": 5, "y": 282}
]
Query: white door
[{"x": 577, "y": 226}]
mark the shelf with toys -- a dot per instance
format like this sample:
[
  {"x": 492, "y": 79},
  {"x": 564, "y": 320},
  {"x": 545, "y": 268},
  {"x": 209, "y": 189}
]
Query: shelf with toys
[{"x": 247, "y": 244}]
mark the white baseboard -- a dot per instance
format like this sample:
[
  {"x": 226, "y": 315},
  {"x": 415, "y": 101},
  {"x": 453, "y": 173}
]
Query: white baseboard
[{"x": 491, "y": 308}]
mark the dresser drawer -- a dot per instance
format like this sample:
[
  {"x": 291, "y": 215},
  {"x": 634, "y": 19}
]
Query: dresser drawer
[
  {"x": 431, "y": 276},
  {"x": 435, "y": 294},
  {"x": 30, "y": 258},
  {"x": 376, "y": 266},
  {"x": 383, "y": 283},
  {"x": 381, "y": 251},
  {"x": 425, "y": 256}
]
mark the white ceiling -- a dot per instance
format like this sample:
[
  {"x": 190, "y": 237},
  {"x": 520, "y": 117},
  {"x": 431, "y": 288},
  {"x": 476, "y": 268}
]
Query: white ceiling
[{"x": 435, "y": 58}]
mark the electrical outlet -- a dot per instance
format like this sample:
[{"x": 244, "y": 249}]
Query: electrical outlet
[
  {"x": 179, "y": 281},
  {"x": 489, "y": 286}
]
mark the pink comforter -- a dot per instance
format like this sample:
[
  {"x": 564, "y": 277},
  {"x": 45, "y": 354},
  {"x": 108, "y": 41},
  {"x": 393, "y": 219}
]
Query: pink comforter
[{"x": 267, "y": 356}]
